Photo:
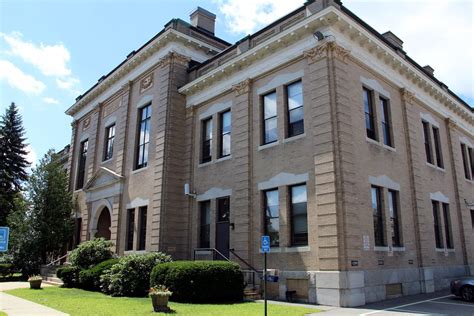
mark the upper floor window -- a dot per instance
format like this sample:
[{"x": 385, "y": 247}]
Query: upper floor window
[
  {"x": 270, "y": 130},
  {"x": 427, "y": 141},
  {"x": 369, "y": 114},
  {"x": 467, "y": 161},
  {"x": 109, "y": 142},
  {"x": 295, "y": 113},
  {"x": 437, "y": 147},
  {"x": 142, "y": 228},
  {"x": 378, "y": 216},
  {"x": 81, "y": 170},
  {"x": 225, "y": 130},
  {"x": 206, "y": 146},
  {"x": 386, "y": 122},
  {"x": 272, "y": 217},
  {"x": 143, "y": 137},
  {"x": 205, "y": 224},
  {"x": 299, "y": 215}
]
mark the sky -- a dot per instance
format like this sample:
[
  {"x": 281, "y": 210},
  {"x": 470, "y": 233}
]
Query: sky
[{"x": 51, "y": 51}]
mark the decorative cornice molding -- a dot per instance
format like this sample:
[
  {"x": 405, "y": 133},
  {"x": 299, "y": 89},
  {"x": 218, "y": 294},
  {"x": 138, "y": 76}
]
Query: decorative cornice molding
[
  {"x": 242, "y": 87},
  {"x": 174, "y": 57},
  {"x": 407, "y": 96},
  {"x": 327, "y": 49},
  {"x": 451, "y": 124}
]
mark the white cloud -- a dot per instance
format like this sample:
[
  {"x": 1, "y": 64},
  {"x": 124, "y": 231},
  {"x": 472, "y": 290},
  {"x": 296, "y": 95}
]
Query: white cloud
[
  {"x": 31, "y": 157},
  {"x": 68, "y": 83},
  {"x": 50, "y": 100},
  {"x": 16, "y": 78}
]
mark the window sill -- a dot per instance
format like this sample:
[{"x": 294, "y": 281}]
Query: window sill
[
  {"x": 435, "y": 167},
  {"x": 376, "y": 142},
  {"x": 398, "y": 249},
  {"x": 223, "y": 158},
  {"x": 107, "y": 161},
  {"x": 381, "y": 248},
  {"x": 289, "y": 139},
  {"x": 134, "y": 252},
  {"x": 262, "y": 147},
  {"x": 78, "y": 190},
  {"x": 289, "y": 249},
  {"x": 445, "y": 250},
  {"x": 204, "y": 164},
  {"x": 139, "y": 170},
  {"x": 469, "y": 180}
]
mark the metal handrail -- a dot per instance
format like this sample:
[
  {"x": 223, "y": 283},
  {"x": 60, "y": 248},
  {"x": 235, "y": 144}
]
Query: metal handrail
[
  {"x": 210, "y": 249},
  {"x": 244, "y": 261},
  {"x": 59, "y": 259}
]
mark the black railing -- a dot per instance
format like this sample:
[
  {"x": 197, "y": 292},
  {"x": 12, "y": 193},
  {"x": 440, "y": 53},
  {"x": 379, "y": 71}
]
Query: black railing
[
  {"x": 249, "y": 275},
  {"x": 208, "y": 254}
]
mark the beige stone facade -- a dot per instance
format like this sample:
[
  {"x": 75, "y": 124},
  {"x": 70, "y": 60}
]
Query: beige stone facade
[{"x": 185, "y": 77}]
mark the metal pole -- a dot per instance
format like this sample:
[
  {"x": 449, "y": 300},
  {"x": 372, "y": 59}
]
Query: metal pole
[{"x": 265, "y": 280}]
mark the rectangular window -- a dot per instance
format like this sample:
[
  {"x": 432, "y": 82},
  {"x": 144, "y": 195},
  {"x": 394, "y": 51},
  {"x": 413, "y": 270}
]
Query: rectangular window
[
  {"x": 295, "y": 113},
  {"x": 437, "y": 148},
  {"x": 386, "y": 122},
  {"x": 143, "y": 137},
  {"x": 447, "y": 226},
  {"x": 437, "y": 225},
  {"x": 272, "y": 217},
  {"x": 471, "y": 158},
  {"x": 223, "y": 209},
  {"x": 369, "y": 114},
  {"x": 465, "y": 161},
  {"x": 109, "y": 142},
  {"x": 205, "y": 225},
  {"x": 378, "y": 218},
  {"x": 206, "y": 136},
  {"x": 394, "y": 218},
  {"x": 270, "y": 131},
  {"x": 472, "y": 218},
  {"x": 130, "y": 229},
  {"x": 225, "y": 130},
  {"x": 142, "y": 228},
  {"x": 299, "y": 215},
  {"x": 81, "y": 170},
  {"x": 427, "y": 140}
]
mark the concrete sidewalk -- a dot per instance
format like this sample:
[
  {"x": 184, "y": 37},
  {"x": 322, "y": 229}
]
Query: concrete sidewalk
[{"x": 15, "y": 306}]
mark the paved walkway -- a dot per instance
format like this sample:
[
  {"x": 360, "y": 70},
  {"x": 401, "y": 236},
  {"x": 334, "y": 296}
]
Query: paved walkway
[{"x": 15, "y": 306}]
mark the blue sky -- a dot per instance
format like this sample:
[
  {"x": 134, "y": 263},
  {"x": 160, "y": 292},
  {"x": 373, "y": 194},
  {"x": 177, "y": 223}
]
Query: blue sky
[{"x": 53, "y": 50}]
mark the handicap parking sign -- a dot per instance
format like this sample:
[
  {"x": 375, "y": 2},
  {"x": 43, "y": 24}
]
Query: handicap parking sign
[
  {"x": 4, "y": 232},
  {"x": 265, "y": 244}
]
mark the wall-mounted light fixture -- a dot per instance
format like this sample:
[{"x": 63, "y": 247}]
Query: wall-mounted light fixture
[
  {"x": 319, "y": 36},
  {"x": 187, "y": 191}
]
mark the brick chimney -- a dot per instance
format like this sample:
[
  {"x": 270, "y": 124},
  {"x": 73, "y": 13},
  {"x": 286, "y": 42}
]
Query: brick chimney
[
  {"x": 429, "y": 69},
  {"x": 203, "y": 20},
  {"x": 393, "y": 39}
]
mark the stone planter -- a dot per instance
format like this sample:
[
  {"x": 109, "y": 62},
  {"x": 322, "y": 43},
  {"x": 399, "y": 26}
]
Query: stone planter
[
  {"x": 35, "y": 284},
  {"x": 160, "y": 303}
]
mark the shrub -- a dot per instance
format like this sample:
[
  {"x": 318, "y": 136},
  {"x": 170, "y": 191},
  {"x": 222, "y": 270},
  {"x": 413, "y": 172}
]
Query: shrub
[
  {"x": 6, "y": 269},
  {"x": 91, "y": 253},
  {"x": 89, "y": 279},
  {"x": 131, "y": 275},
  {"x": 200, "y": 281},
  {"x": 69, "y": 275}
]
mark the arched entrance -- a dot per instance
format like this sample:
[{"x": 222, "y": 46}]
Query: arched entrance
[{"x": 103, "y": 224}]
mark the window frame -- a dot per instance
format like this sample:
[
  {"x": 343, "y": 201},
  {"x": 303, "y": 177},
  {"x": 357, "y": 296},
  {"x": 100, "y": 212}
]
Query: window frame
[
  {"x": 81, "y": 167},
  {"x": 223, "y": 134},
  {"x": 395, "y": 220},
  {"x": 438, "y": 229},
  {"x": 219, "y": 218},
  {"x": 206, "y": 143},
  {"x": 289, "y": 130},
  {"x": 266, "y": 218},
  {"x": 130, "y": 231},
  {"x": 205, "y": 229},
  {"x": 144, "y": 125},
  {"x": 370, "y": 116},
  {"x": 438, "y": 151},
  {"x": 380, "y": 239},
  {"x": 293, "y": 239},
  {"x": 427, "y": 142},
  {"x": 109, "y": 142},
  {"x": 468, "y": 174},
  {"x": 265, "y": 120},
  {"x": 448, "y": 231},
  {"x": 142, "y": 223},
  {"x": 386, "y": 121}
]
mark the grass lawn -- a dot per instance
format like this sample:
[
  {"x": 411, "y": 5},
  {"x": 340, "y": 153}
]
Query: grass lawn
[
  {"x": 79, "y": 302},
  {"x": 3, "y": 313}
]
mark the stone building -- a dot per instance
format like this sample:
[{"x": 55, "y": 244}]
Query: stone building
[{"x": 316, "y": 130}]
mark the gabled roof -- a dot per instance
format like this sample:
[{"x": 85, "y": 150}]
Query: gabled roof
[{"x": 105, "y": 174}]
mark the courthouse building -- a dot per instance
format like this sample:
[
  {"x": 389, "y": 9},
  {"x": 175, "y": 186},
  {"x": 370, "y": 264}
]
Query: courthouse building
[{"x": 316, "y": 130}]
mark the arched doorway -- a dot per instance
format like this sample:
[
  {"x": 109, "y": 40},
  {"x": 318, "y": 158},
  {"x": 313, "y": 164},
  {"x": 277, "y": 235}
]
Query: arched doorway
[{"x": 103, "y": 224}]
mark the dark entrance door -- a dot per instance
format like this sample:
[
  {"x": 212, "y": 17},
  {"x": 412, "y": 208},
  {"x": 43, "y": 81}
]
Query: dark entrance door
[
  {"x": 103, "y": 224},
  {"x": 222, "y": 227}
]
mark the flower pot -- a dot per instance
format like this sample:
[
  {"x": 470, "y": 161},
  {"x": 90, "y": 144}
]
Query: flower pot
[
  {"x": 35, "y": 284},
  {"x": 160, "y": 303}
]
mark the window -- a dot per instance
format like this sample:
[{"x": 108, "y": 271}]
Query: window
[
  {"x": 295, "y": 114},
  {"x": 109, "y": 142},
  {"x": 299, "y": 217},
  {"x": 81, "y": 170},
  {"x": 272, "y": 217},
  {"x": 270, "y": 131},
  {"x": 394, "y": 218},
  {"x": 447, "y": 226},
  {"x": 369, "y": 114},
  {"x": 386, "y": 122},
  {"x": 223, "y": 209},
  {"x": 377, "y": 209},
  {"x": 224, "y": 130},
  {"x": 437, "y": 147},
  {"x": 465, "y": 151},
  {"x": 472, "y": 218},
  {"x": 205, "y": 225},
  {"x": 437, "y": 225},
  {"x": 142, "y": 228},
  {"x": 130, "y": 229},
  {"x": 206, "y": 154},
  {"x": 427, "y": 139},
  {"x": 143, "y": 137},
  {"x": 471, "y": 158}
]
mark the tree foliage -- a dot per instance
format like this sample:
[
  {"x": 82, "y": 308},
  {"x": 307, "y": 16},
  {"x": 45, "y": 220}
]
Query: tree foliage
[{"x": 13, "y": 161}]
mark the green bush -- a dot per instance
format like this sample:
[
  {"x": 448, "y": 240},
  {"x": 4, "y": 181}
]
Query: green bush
[
  {"x": 131, "y": 275},
  {"x": 89, "y": 279},
  {"x": 200, "y": 281},
  {"x": 69, "y": 275},
  {"x": 6, "y": 269},
  {"x": 91, "y": 253}
]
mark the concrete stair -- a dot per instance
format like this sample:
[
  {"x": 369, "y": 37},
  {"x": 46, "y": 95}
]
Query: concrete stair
[
  {"x": 252, "y": 292},
  {"x": 49, "y": 275}
]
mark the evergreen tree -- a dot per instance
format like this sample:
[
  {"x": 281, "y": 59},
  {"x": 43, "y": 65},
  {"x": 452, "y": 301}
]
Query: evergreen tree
[
  {"x": 51, "y": 206},
  {"x": 13, "y": 161}
]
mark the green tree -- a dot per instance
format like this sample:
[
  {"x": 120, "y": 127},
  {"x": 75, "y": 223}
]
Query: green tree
[
  {"x": 51, "y": 206},
  {"x": 13, "y": 161}
]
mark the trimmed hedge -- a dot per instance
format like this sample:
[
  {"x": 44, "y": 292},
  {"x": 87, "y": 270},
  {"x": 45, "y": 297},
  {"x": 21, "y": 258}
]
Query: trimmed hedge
[
  {"x": 91, "y": 253},
  {"x": 69, "y": 275},
  {"x": 200, "y": 281},
  {"x": 131, "y": 275},
  {"x": 89, "y": 279},
  {"x": 6, "y": 269}
]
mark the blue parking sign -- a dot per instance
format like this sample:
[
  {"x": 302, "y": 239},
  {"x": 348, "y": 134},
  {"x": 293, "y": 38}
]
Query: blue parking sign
[
  {"x": 265, "y": 247},
  {"x": 4, "y": 232}
]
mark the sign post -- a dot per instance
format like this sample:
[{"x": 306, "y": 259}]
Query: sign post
[
  {"x": 4, "y": 232},
  {"x": 265, "y": 247}
]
